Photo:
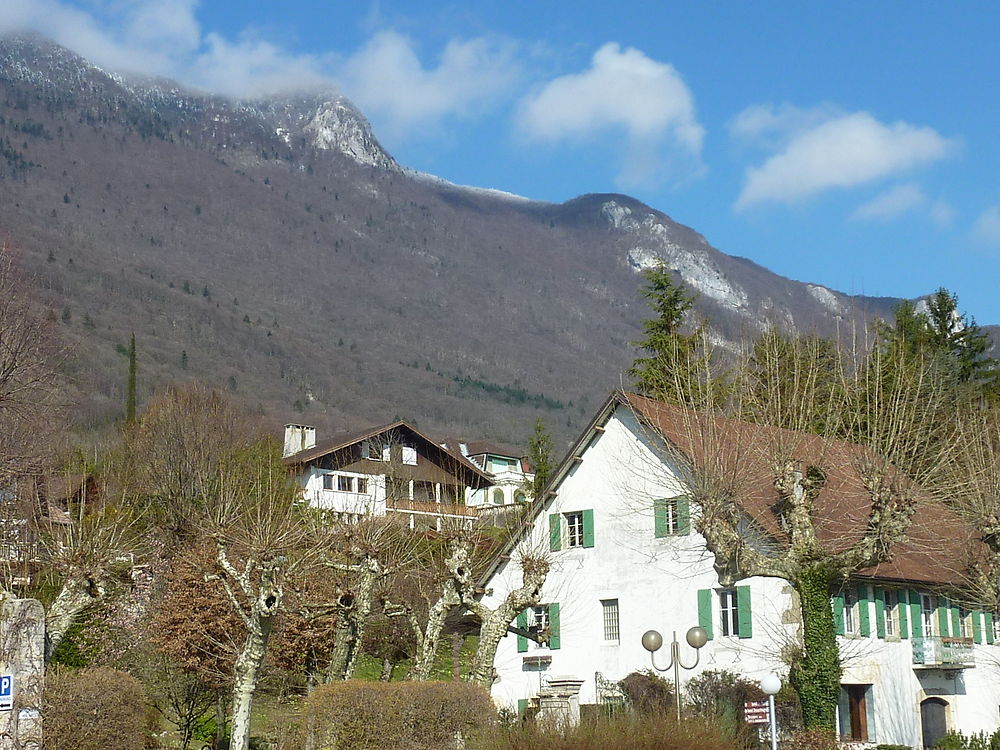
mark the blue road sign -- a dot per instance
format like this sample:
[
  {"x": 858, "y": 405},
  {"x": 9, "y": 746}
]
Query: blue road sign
[{"x": 6, "y": 692}]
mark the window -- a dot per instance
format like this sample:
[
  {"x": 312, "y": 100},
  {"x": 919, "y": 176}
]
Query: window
[
  {"x": 409, "y": 455},
  {"x": 850, "y": 612},
  {"x": 573, "y": 529},
  {"x": 345, "y": 484},
  {"x": 671, "y": 516},
  {"x": 424, "y": 492},
  {"x": 538, "y": 618},
  {"x": 610, "y": 610},
  {"x": 927, "y": 615},
  {"x": 729, "y": 612},
  {"x": 372, "y": 452},
  {"x": 498, "y": 496},
  {"x": 891, "y": 613},
  {"x": 964, "y": 623},
  {"x": 996, "y": 627},
  {"x": 855, "y": 713},
  {"x": 362, "y": 485},
  {"x": 328, "y": 481},
  {"x": 544, "y": 619}
]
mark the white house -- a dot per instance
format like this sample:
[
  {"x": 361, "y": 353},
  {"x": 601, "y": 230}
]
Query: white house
[
  {"x": 625, "y": 559},
  {"x": 510, "y": 470},
  {"x": 391, "y": 469}
]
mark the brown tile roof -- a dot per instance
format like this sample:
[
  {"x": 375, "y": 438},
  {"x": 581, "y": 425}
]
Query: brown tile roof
[
  {"x": 480, "y": 447},
  {"x": 938, "y": 546}
]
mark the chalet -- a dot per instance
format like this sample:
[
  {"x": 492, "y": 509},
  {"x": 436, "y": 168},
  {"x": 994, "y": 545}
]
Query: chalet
[
  {"x": 389, "y": 470},
  {"x": 626, "y": 558},
  {"x": 510, "y": 470}
]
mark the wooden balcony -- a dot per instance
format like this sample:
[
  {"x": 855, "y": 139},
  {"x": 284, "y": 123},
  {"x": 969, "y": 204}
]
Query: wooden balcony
[{"x": 433, "y": 509}]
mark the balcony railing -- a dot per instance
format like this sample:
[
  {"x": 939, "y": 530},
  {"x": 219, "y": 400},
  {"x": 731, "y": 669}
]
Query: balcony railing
[
  {"x": 436, "y": 509},
  {"x": 947, "y": 653}
]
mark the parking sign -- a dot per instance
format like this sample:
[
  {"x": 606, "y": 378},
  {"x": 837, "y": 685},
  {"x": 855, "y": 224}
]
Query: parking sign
[{"x": 6, "y": 692}]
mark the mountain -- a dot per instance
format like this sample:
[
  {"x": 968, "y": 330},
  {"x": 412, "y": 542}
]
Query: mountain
[{"x": 273, "y": 248}]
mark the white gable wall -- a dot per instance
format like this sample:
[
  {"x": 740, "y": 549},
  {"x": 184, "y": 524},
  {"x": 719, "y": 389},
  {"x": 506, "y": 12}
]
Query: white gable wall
[{"x": 656, "y": 581}]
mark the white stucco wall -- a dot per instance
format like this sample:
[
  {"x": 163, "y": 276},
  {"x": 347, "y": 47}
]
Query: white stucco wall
[
  {"x": 371, "y": 502},
  {"x": 656, "y": 581}
]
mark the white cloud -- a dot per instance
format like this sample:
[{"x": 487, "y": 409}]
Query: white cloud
[
  {"x": 892, "y": 203},
  {"x": 842, "y": 152},
  {"x": 770, "y": 125},
  {"x": 986, "y": 228},
  {"x": 622, "y": 90},
  {"x": 386, "y": 77},
  {"x": 252, "y": 67}
]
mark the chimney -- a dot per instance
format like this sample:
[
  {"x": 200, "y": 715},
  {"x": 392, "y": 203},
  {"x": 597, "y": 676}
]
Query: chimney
[{"x": 298, "y": 437}]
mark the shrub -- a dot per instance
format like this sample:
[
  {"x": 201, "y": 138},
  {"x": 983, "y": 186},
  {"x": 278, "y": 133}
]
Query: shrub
[
  {"x": 94, "y": 709},
  {"x": 621, "y": 730},
  {"x": 359, "y": 715},
  {"x": 810, "y": 739},
  {"x": 893, "y": 747},
  {"x": 648, "y": 692}
]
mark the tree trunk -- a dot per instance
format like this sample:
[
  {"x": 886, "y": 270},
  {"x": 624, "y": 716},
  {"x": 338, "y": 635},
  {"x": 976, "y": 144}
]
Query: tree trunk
[
  {"x": 245, "y": 683},
  {"x": 427, "y": 649},
  {"x": 352, "y": 620},
  {"x": 490, "y": 633},
  {"x": 75, "y": 596},
  {"x": 387, "y": 666},
  {"x": 815, "y": 674}
]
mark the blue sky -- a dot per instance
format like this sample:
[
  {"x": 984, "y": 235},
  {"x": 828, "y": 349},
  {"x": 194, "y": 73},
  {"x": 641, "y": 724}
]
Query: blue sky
[{"x": 849, "y": 144}]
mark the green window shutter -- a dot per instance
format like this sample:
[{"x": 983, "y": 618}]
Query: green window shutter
[
  {"x": 705, "y": 597},
  {"x": 880, "y": 613},
  {"x": 838, "y": 613},
  {"x": 916, "y": 615},
  {"x": 904, "y": 610},
  {"x": 522, "y": 706},
  {"x": 977, "y": 628},
  {"x": 588, "y": 528},
  {"x": 956, "y": 621},
  {"x": 522, "y": 622},
  {"x": 988, "y": 626},
  {"x": 743, "y": 611},
  {"x": 683, "y": 515},
  {"x": 864, "y": 616},
  {"x": 554, "y": 641},
  {"x": 555, "y": 532},
  {"x": 942, "y": 613},
  {"x": 660, "y": 518}
]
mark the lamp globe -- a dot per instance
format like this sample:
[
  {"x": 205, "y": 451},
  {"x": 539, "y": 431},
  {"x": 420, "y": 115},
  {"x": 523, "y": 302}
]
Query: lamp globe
[
  {"x": 652, "y": 640},
  {"x": 770, "y": 684}
]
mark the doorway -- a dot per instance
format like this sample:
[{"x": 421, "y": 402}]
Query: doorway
[{"x": 933, "y": 720}]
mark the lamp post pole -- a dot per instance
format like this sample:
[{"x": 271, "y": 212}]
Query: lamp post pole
[
  {"x": 696, "y": 637},
  {"x": 770, "y": 685}
]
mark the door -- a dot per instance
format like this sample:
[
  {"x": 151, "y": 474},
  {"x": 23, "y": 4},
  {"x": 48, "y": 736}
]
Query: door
[{"x": 933, "y": 720}]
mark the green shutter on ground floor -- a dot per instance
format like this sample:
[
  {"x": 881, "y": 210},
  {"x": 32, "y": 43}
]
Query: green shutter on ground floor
[
  {"x": 880, "y": 613},
  {"x": 522, "y": 622},
  {"x": 705, "y": 597},
  {"x": 588, "y": 528},
  {"x": 988, "y": 626},
  {"x": 977, "y": 627},
  {"x": 554, "y": 637},
  {"x": 661, "y": 526},
  {"x": 522, "y": 706},
  {"x": 744, "y": 612}
]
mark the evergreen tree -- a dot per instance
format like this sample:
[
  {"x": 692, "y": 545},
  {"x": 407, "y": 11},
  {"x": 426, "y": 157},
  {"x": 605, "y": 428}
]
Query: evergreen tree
[
  {"x": 130, "y": 393},
  {"x": 540, "y": 456},
  {"x": 677, "y": 366}
]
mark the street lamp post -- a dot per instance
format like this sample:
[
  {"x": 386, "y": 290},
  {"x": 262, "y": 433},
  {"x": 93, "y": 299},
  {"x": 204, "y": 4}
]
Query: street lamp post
[
  {"x": 652, "y": 641},
  {"x": 770, "y": 685}
]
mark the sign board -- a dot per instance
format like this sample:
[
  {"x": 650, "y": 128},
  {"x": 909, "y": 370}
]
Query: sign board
[
  {"x": 6, "y": 692},
  {"x": 755, "y": 712}
]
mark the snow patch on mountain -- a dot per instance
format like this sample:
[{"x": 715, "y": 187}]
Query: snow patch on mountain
[
  {"x": 825, "y": 297},
  {"x": 656, "y": 247},
  {"x": 338, "y": 126},
  {"x": 431, "y": 179}
]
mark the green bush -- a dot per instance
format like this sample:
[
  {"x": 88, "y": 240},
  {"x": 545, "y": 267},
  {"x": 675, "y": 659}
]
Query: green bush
[
  {"x": 958, "y": 741},
  {"x": 893, "y": 747},
  {"x": 95, "y": 709},
  {"x": 360, "y": 715}
]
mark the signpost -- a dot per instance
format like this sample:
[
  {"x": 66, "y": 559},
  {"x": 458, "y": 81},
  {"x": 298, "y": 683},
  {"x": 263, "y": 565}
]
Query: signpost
[
  {"x": 7, "y": 692},
  {"x": 756, "y": 712}
]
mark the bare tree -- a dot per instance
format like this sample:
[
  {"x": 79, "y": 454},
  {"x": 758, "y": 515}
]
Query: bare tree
[{"x": 767, "y": 497}]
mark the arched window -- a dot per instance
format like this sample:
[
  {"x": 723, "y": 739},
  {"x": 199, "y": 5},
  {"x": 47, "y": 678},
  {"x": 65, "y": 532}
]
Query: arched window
[
  {"x": 520, "y": 497},
  {"x": 498, "y": 496}
]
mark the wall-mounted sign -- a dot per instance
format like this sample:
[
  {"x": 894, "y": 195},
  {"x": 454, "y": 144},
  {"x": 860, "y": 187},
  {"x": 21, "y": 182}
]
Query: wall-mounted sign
[{"x": 6, "y": 692}]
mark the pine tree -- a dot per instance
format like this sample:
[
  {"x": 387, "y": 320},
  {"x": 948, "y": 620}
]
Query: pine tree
[
  {"x": 540, "y": 456},
  {"x": 130, "y": 393}
]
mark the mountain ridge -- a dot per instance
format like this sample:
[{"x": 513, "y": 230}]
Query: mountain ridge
[{"x": 275, "y": 249}]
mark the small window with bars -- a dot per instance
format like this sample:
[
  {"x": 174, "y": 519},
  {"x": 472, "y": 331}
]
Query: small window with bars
[
  {"x": 729, "y": 612},
  {"x": 609, "y": 608}
]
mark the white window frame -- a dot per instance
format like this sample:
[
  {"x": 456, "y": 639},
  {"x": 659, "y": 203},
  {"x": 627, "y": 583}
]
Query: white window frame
[
  {"x": 671, "y": 508},
  {"x": 538, "y": 620},
  {"x": 729, "y": 613},
  {"x": 573, "y": 527},
  {"x": 611, "y": 620},
  {"x": 964, "y": 623},
  {"x": 928, "y": 610},
  {"x": 996, "y": 627},
  {"x": 850, "y": 611},
  {"x": 362, "y": 485},
  {"x": 409, "y": 454},
  {"x": 345, "y": 483},
  {"x": 891, "y": 598},
  {"x": 331, "y": 480}
]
